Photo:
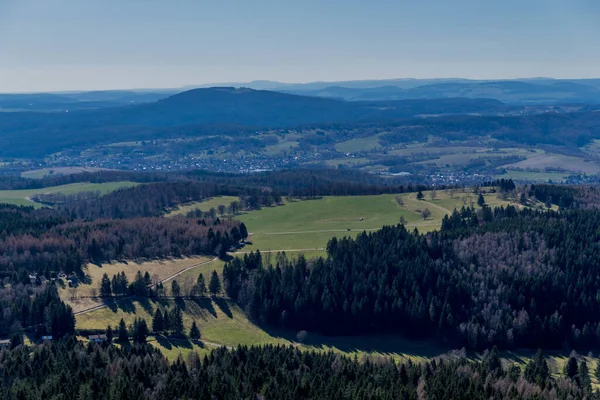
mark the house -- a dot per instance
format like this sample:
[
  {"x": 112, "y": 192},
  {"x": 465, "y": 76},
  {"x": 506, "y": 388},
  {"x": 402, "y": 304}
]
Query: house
[
  {"x": 97, "y": 338},
  {"x": 4, "y": 343}
]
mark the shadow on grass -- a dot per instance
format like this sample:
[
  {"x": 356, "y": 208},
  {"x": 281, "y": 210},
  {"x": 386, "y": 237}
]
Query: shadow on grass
[
  {"x": 206, "y": 304},
  {"x": 223, "y": 306},
  {"x": 127, "y": 305},
  {"x": 171, "y": 342},
  {"x": 146, "y": 305},
  {"x": 384, "y": 344}
]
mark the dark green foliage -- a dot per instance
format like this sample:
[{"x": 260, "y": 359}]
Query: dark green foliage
[
  {"x": 69, "y": 370},
  {"x": 454, "y": 284},
  {"x": 571, "y": 368},
  {"x": 420, "y": 195},
  {"x": 584, "y": 379},
  {"x": 140, "y": 330},
  {"x": 158, "y": 323},
  {"x": 109, "y": 334},
  {"x": 176, "y": 322},
  {"x": 481, "y": 200},
  {"x": 215, "y": 283},
  {"x": 537, "y": 370},
  {"x": 194, "y": 331},
  {"x": 105, "y": 286},
  {"x": 175, "y": 289},
  {"x": 123, "y": 335}
]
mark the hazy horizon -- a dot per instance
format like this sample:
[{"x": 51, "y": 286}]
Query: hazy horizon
[{"x": 69, "y": 45}]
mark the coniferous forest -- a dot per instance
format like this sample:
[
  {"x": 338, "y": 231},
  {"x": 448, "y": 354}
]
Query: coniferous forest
[
  {"x": 489, "y": 280},
  {"x": 504, "y": 277},
  {"x": 71, "y": 370}
]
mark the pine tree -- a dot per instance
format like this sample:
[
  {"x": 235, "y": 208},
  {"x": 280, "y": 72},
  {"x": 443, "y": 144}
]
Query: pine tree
[
  {"x": 194, "y": 331},
  {"x": 215, "y": 283},
  {"x": 571, "y": 369},
  {"x": 584, "y": 377},
  {"x": 175, "y": 290},
  {"x": 123, "y": 336},
  {"x": 158, "y": 323},
  {"x": 109, "y": 334},
  {"x": 140, "y": 330},
  {"x": 177, "y": 321},
  {"x": 481, "y": 200},
  {"x": 201, "y": 284},
  {"x": 243, "y": 231},
  {"x": 105, "y": 286},
  {"x": 420, "y": 195}
]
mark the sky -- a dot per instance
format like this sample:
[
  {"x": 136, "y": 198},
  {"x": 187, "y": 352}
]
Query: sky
[{"x": 53, "y": 45}]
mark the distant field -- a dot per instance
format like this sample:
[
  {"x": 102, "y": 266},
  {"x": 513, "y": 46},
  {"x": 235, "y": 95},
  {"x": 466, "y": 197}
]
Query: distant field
[
  {"x": 569, "y": 163},
  {"x": 555, "y": 177},
  {"x": 359, "y": 144},
  {"x": 41, "y": 173},
  {"x": 204, "y": 205},
  {"x": 309, "y": 224},
  {"x": 20, "y": 197}
]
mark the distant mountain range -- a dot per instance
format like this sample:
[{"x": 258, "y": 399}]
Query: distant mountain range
[
  {"x": 241, "y": 111},
  {"x": 532, "y": 91}
]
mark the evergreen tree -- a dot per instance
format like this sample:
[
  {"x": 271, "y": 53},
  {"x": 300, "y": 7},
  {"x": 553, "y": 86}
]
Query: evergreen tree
[
  {"x": 597, "y": 370},
  {"x": 215, "y": 283},
  {"x": 481, "y": 200},
  {"x": 571, "y": 369},
  {"x": 16, "y": 340},
  {"x": 109, "y": 334},
  {"x": 105, "y": 286},
  {"x": 177, "y": 321},
  {"x": 537, "y": 370},
  {"x": 175, "y": 290},
  {"x": 201, "y": 284},
  {"x": 194, "y": 331},
  {"x": 140, "y": 330},
  {"x": 158, "y": 323},
  {"x": 123, "y": 336},
  {"x": 584, "y": 377},
  {"x": 243, "y": 231},
  {"x": 420, "y": 195}
]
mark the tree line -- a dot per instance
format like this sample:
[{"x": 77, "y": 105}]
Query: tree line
[
  {"x": 72, "y": 370},
  {"x": 502, "y": 277}
]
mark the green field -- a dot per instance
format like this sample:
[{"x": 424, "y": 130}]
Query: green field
[
  {"x": 309, "y": 224},
  {"x": 21, "y": 197},
  {"x": 203, "y": 205},
  {"x": 555, "y": 177}
]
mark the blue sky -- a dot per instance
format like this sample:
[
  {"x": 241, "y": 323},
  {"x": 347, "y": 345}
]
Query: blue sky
[{"x": 108, "y": 44}]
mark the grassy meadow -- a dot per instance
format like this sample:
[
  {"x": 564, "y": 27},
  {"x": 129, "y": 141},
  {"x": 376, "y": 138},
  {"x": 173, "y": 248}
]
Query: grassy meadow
[{"x": 22, "y": 197}]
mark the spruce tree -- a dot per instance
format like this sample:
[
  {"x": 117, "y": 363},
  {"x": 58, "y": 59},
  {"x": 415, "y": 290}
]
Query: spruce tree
[
  {"x": 177, "y": 321},
  {"x": 123, "y": 336},
  {"x": 105, "y": 286},
  {"x": 215, "y": 283},
  {"x": 175, "y": 290},
  {"x": 201, "y": 283},
  {"x": 140, "y": 330},
  {"x": 109, "y": 334},
  {"x": 584, "y": 377},
  {"x": 571, "y": 369},
  {"x": 194, "y": 331},
  {"x": 158, "y": 323}
]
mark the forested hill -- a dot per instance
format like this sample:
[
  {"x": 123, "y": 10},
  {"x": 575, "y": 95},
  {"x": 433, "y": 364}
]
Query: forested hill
[
  {"x": 201, "y": 112},
  {"x": 502, "y": 277}
]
